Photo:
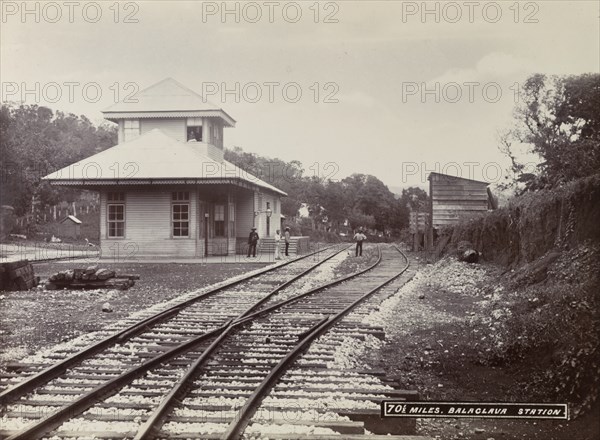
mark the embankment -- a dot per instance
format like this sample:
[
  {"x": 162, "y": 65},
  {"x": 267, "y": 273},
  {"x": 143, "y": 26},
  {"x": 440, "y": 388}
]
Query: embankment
[{"x": 534, "y": 224}]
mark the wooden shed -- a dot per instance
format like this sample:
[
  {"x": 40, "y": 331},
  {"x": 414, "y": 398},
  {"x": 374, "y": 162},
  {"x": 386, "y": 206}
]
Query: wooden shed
[
  {"x": 70, "y": 227},
  {"x": 455, "y": 198}
]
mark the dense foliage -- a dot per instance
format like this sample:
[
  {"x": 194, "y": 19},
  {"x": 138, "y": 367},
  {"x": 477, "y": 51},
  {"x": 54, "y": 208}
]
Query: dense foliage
[
  {"x": 34, "y": 141},
  {"x": 547, "y": 244},
  {"x": 559, "y": 118},
  {"x": 359, "y": 200}
]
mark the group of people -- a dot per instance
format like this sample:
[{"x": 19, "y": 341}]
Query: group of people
[
  {"x": 253, "y": 238},
  {"x": 253, "y": 241}
]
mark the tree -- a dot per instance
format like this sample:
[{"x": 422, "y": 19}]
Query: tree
[
  {"x": 411, "y": 198},
  {"x": 334, "y": 204},
  {"x": 357, "y": 219},
  {"x": 362, "y": 199},
  {"x": 558, "y": 118},
  {"x": 286, "y": 176},
  {"x": 34, "y": 141}
]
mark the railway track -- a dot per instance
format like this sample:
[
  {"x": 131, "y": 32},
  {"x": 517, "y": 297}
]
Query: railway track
[{"x": 203, "y": 370}]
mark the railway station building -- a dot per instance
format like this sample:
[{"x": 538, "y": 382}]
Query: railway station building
[{"x": 165, "y": 188}]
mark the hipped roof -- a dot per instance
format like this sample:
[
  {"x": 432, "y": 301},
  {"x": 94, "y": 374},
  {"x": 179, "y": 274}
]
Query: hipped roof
[
  {"x": 167, "y": 98},
  {"x": 154, "y": 158}
]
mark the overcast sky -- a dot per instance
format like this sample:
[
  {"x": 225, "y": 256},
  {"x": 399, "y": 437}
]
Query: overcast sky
[{"x": 375, "y": 68}]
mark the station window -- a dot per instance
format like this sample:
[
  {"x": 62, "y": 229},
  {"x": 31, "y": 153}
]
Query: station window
[
  {"x": 116, "y": 197},
  {"x": 180, "y": 196},
  {"x": 115, "y": 215},
  {"x": 181, "y": 219},
  {"x": 180, "y": 213},
  {"x": 131, "y": 129},
  {"x": 116, "y": 221},
  {"x": 219, "y": 220}
]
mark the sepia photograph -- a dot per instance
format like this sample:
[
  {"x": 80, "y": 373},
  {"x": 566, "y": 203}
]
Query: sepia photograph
[{"x": 300, "y": 220}]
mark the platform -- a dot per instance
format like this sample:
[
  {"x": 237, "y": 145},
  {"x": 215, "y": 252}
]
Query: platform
[{"x": 41, "y": 252}]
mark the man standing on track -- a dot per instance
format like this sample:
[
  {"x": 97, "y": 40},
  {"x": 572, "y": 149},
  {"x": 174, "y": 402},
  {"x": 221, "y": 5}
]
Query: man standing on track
[
  {"x": 359, "y": 237},
  {"x": 287, "y": 241},
  {"x": 252, "y": 242}
]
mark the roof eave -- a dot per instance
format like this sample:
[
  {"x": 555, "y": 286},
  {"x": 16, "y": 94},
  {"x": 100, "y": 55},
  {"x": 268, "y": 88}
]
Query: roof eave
[
  {"x": 159, "y": 181},
  {"x": 115, "y": 116},
  {"x": 456, "y": 177}
]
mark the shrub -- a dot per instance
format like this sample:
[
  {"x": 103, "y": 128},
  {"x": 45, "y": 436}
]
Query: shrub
[{"x": 557, "y": 323}]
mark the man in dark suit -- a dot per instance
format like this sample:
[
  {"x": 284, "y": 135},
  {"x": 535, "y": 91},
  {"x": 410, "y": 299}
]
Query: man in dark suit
[
  {"x": 252, "y": 242},
  {"x": 286, "y": 236}
]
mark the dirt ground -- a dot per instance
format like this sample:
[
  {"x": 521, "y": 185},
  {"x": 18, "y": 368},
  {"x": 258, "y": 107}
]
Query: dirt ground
[
  {"x": 38, "y": 319},
  {"x": 428, "y": 350}
]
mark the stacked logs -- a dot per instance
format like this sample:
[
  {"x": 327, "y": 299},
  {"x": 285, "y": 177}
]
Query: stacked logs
[
  {"x": 91, "y": 277},
  {"x": 17, "y": 275}
]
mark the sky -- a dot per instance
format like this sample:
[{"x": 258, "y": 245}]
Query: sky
[{"x": 395, "y": 89}]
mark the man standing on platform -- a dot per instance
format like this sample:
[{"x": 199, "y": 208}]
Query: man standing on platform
[
  {"x": 277, "y": 241},
  {"x": 287, "y": 241},
  {"x": 252, "y": 242}
]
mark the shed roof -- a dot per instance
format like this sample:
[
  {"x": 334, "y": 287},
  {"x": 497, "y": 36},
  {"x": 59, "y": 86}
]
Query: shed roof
[
  {"x": 72, "y": 218},
  {"x": 167, "y": 98},
  {"x": 447, "y": 177},
  {"x": 154, "y": 158}
]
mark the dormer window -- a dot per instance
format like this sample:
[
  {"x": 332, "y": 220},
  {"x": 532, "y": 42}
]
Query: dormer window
[
  {"x": 194, "y": 129},
  {"x": 131, "y": 129}
]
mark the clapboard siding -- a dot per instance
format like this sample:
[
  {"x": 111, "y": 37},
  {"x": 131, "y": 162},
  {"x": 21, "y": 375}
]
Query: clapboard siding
[
  {"x": 458, "y": 191},
  {"x": 459, "y": 194},
  {"x": 460, "y": 198},
  {"x": 102, "y": 215},
  {"x": 176, "y": 128},
  {"x": 465, "y": 205},
  {"x": 244, "y": 215},
  {"x": 441, "y": 185},
  {"x": 148, "y": 226},
  {"x": 454, "y": 198}
]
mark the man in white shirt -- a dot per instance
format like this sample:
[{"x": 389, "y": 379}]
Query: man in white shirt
[
  {"x": 277, "y": 240},
  {"x": 359, "y": 237}
]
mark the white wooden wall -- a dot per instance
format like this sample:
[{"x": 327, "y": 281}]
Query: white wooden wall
[
  {"x": 148, "y": 226},
  {"x": 175, "y": 128}
]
